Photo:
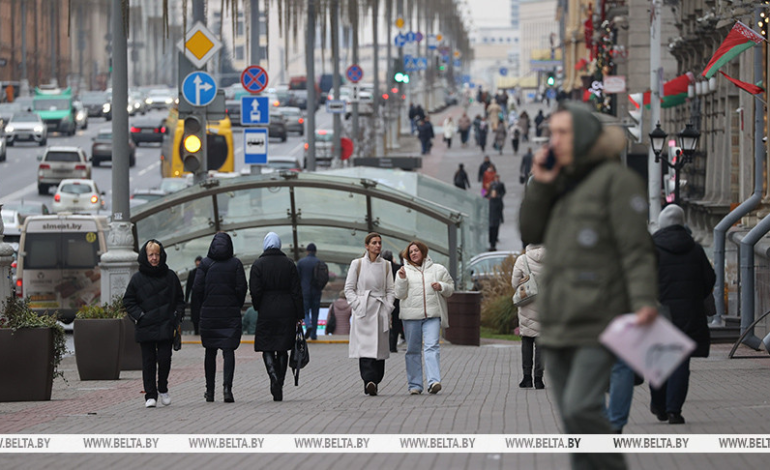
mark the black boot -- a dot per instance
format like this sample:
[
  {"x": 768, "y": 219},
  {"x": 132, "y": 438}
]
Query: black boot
[
  {"x": 282, "y": 363},
  {"x": 228, "y": 394},
  {"x": 526, "y": 382},
  {"x": 271, "y": 364},
  {"x": 209, "y": 394}
]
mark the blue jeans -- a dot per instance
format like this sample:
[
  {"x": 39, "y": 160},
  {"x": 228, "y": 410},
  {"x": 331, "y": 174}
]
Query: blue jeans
[
  {"x": 422, "y": 336},
  {"x": 621, "y": 394},
  {"x": 312, "y": 306}
]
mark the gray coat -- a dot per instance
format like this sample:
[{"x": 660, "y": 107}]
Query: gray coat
[{"x": 369, "y": 289}]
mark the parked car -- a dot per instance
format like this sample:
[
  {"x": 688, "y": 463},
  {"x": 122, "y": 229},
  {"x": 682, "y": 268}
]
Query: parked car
[
  {"x": 101, "y": 149},
  {"x": 160, "y": 98},
  {"x": 7, "y": 110},
  {"x": 143, "y": 196},
  {"x": 324, "y": 147},
  {"x": 233, "y": 110},
  {"x": 81, "y": 115},
  {"x": 60, "y": 163},
  {"x": 97, "y": 104},
  {"x": 482, "y": 266},
  {"x": 78, "y": 195},
  {"x": 148, "y": 130},
  {"x": 295, "y": 120},
  {"x": 282, "y": 162},
  {"x": 27, "y": 127},
  {"x": 12, "y": 222},
  {"x": 136, "y": 103},
  {"x": 26, "y": 208}
]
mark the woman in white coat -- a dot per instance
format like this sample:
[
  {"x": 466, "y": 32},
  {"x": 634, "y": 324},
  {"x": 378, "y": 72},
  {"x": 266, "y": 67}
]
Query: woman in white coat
[
  {"x": 422, "y": 286},
  {"x": 369, "y": 291},
  {"x": 449, "y": 131},
  {"x": 529, "y": 263}
]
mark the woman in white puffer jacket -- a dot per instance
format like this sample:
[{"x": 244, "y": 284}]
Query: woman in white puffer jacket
[
  {"x": 422, "y": 286},
  {"x": 529, "y": 324}
]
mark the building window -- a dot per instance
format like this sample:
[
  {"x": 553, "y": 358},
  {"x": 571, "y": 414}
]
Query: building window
[
  {"x": 239, "y": 53},
  {"x": 240, "y": 29}
]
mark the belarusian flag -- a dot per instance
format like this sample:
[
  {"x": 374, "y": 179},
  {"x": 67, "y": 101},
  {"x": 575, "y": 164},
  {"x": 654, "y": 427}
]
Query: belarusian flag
[
  {"x": 753, "y": 89},
  {"x": 741, "y": 37},
  {"x": 674, "y": 91}
]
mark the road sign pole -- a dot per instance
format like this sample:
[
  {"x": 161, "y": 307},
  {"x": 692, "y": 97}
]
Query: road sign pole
[
  {"x": 356, "y": 132},
  {"x": 312, "y": 99},
  {"x": 337, "y": 126}
]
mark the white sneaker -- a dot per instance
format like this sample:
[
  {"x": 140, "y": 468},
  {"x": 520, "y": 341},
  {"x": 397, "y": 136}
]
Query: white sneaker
[
  {"x": 165, "y": 399},
  {"x": 150, "y": 403}
]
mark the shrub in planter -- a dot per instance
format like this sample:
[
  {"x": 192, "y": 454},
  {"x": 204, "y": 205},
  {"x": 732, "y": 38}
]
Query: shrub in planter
[
  {"x": 497, "y": 309},
  {"x": 31, "y": 349},
  {"x": 99, "y": 341}
]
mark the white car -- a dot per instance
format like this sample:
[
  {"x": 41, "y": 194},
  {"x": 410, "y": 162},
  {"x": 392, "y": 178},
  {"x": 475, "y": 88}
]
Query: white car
[
  {"x": 26, "y": 127},
  {"x": 78, "y": 195}
]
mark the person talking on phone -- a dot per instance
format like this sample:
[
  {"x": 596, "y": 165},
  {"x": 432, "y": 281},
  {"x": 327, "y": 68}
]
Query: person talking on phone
[{"x": 590, "y": 214}]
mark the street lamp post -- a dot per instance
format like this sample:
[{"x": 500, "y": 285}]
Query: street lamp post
[{"x": 688, "y": 140}]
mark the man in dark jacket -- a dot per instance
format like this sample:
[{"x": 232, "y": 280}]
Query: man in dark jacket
[
  {"x": 413, "y": 117},
  {"x": 495, "y": 217},
  {"x": 538, "y": 123},
  {"x": 526, "y": 166},
  {"x": 219, "y": 293},
  {"x": 461, "y": 178},
  {"x": 277, "y": 295},
  {"x": 425, "y": 134},
  {"x": 155, "y": 302},
  {"x": 311, "y": 295},
  {"x": 685, "y": 280},
  {"x": 195, "y": 315},
  {"x": 483, "y": 167},
  {"x": 590, "y": 213}
]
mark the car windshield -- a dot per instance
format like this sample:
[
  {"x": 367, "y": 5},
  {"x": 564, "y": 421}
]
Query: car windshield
[
  {"x": 25, "y": 209},
  {"x": 324, "y": 136},
  {"x": 290, "y": 112},
  {"x": 62, "y": 157},
  {"x": 160, "y": 93},
  {"x": 51, "y": 104},
  {"x": 25, "y": 118},
  {"x": 76, "y": 188},
  {"x": 95, "y": 98},
  {"x": 104, "y": 136},
  {"x": 9, "y": 217}
]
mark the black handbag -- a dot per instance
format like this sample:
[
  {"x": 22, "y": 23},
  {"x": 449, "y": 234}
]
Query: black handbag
[
  {"x": 300, "y": 356},
  {"x": 178, "y": 338}
]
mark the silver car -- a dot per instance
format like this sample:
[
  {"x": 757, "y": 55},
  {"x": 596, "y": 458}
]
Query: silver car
[
  {"x": 295, "y": 120},
  {"x": 26, "y": 127},
  {"x": 78, "y": 195},
  {"x": 60, "y": 163}
]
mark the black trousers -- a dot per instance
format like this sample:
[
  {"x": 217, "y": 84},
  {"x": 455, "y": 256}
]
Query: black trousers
[
  {"x": 671, "y": 395},
  {"x": 156, "y": 359},
  {"x": 210, "y": 366},
  {"x": 372, "y": 370},
  {"x": 395, "y": 330},
  {"x": 527, "y": 345},
  {"x": 493, "y": 231}
]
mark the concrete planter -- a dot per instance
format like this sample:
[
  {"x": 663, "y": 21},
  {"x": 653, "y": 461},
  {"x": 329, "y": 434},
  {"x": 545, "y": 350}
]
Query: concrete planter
[
  {"x": 131, "y": 356},
  {"x": 98, "y": 348},
  {"x": 26, "y": 364},
  {"x": 464, "y": 311}
]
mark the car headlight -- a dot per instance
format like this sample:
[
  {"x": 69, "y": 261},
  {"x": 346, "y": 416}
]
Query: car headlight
[
  {"x": 38, "y": 128},
  {"x": 81, "y": 115},
  {"x": 106, "y": 107},
  {"x": 136, "y": 105},
  {"x": 148, "y": 100},
  {"x": 169, "y": 100},
  {"x": 9, "y": 128}
]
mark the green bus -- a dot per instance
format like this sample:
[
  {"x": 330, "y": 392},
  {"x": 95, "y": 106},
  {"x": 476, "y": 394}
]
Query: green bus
[{"x": 55, "y": 108}]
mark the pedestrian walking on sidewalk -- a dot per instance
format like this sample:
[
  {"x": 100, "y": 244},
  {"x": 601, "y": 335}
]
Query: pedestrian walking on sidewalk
[
  {"x": 594, "y": 246},
  {"x": 425, "y": 134},
  {"x": 529, "y": 263},
  {"x": 515, "y": 133},
  {"x": 449, "y": 131},
  {"x": 685, "y": 281},
  {"x": 423, "y": 287},
  {"x": 413, "y": 117},
  {"x": 483, "y": 167},
  {"x": 488, "y": 178},
  {"x": 369, "y": 291},
  {"x": 525, "y": 169},
  {"x": 524, "y": 125},
  {"x": 464, "y": 127},
  {"x": 396, "y": 326},
  {"x": 539, "y": 119},
  {"x": 493, "y": 115},
  {"x": 482, "y": 133},
  {"x": 311, "y": 293},
  {"x": 154, "y": 300},
  {"x": 219, "y": 293},
  {"x": 495, "y": 218},
  {"x": 195, "y": 315},
  {"x": 461, "y": 178},
  {"x": 277, "y": 295},
  {"x": 500, "y": 137}
]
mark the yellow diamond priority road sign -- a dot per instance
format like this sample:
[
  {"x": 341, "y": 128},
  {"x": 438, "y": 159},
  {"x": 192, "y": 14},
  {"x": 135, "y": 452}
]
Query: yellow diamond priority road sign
[{"x": 199, "y": 45}]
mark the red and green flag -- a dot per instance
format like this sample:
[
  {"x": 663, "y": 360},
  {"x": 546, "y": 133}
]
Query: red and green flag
[
  {"x": 741, "y": 37},
  {"x": 753, "y": 89},
  {"x": 674, "y": 92}
]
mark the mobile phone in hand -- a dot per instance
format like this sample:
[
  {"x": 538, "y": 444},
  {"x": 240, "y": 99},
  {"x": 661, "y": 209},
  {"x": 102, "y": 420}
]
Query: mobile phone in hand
[{"x": 550, "y": 160}]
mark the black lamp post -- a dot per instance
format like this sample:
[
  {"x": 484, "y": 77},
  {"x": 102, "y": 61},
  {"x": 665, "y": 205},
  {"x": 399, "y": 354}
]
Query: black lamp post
[{"x": 688, "y": 140}]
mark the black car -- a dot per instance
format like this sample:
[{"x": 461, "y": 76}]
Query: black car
[
  {"x": 101, "y": 149},
  {"x": 277, "y": 127},
  {"x": 97, "y": 104},
  {"x": 148, "y": 131},
  {"x": 233, "y": 110}
]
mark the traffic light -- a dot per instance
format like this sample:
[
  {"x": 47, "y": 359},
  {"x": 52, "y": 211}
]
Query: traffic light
[
  {"x": 194, "y": 143},
  {"x": 551, "y": 81},
  {"x": 401, "y": 77},
  {"x": 635, "y": 113}
]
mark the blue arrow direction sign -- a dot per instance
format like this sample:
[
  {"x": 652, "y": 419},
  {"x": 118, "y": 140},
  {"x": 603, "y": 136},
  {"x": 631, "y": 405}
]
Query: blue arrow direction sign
[
  {"x": 255, "y": 146},
  {"x": 503, "y": 71},
  {"x": 457, "y": 63},
  {"x": 399, "y": 40},
  {"x": 410, "y": 36},
  {"x": 199, "y": 89},
  {"x": 255, "y": 110}
]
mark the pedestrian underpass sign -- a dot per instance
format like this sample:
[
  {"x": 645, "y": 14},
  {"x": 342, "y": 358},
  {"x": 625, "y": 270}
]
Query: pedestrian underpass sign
[
  {"x": 255, "y": 110},
  {"x": 199, "y": 89},
  {"x": 255, "y": 146}
]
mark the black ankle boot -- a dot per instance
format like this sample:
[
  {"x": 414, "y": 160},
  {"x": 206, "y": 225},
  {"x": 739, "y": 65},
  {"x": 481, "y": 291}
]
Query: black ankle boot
[
  {"x": 209, "y": 395},
  {"x": 539, "y": 385},
  {"x": 282, "y": 363},
  {"x": 526, "y": 382},
  {"x": 228, "y": 394}
]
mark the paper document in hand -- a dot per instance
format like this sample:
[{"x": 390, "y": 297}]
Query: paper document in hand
[{"x": 653, "y": 351}]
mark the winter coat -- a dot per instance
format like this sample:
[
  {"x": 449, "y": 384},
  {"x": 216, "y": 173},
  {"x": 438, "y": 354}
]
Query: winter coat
[
  {"x": 488, "y": 178},
  {"x": 219, "y": 292},
  {"x": 500, "y": 136},
  {"x": 526, "y": 165},
  {"x": 277, "y": 296},
  {"x": 425, "y": 131},
  {"x": 369, "y": 291},
  {"x": 495, "y": 211},
  {"x": 464, "y": 123},
  {"x": 592, "y": 220},
  {"x": 529, "y": 322},
  {"x": 341, "y": 310},
  {"x": 493, "y": 115},
  {"x": 685, "y": 280},
  {"x": 195, "y": 314},
  {"x": 417, "y": 297},
  {"x": 306, "y": 269},
  {"x": 461, "y": 179},
  {"x": 449, "y": 128},
  {"x": 482, "y": 168},
  {"x": 154, "y": 299}
]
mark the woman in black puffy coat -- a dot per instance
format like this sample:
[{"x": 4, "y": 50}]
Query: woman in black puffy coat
[
  {"x": 154, "y": 300},
  {"x": 277, "y": 295},
  {"x": 219, "y": 292}
]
